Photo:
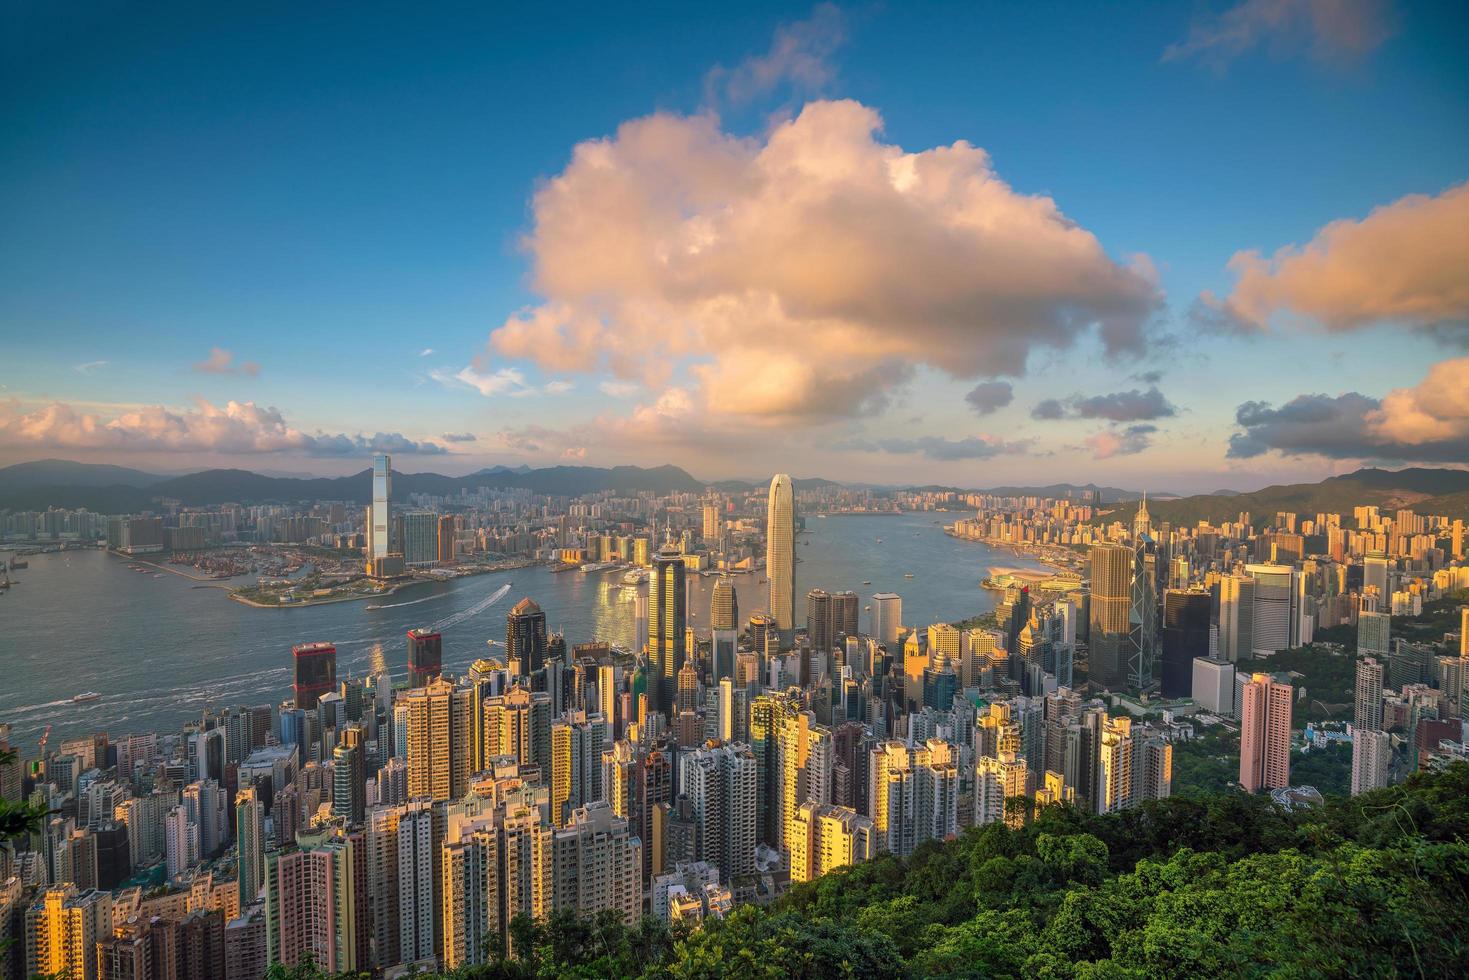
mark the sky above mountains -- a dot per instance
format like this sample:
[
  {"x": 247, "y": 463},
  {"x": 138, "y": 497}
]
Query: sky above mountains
[{"x": 1184, "y": 246}]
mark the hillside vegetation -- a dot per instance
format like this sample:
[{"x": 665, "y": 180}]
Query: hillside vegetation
[{"x": 1219, "y": 886}]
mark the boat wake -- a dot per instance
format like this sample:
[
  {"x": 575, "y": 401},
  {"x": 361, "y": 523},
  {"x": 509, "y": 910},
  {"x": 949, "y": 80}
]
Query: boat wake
[
  {"x": 410, "y": 602},
  {"x": 473, "y": 610}
]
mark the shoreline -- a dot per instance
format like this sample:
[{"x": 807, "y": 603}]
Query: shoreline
[
  {"x": 1020, "y": 550},
  {"x": 392, "y": 590}
]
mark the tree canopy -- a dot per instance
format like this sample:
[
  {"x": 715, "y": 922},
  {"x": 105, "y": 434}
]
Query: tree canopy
[{"x": 1220, "y": 885}]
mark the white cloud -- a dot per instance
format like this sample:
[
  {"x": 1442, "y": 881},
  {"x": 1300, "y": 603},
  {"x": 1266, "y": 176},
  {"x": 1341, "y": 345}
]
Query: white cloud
[
  {"x": 425, "y": 352},
  {"x": 1404, "y": 263},
  {"x": 235, "y": 428},
  {"x": 89, "y": 366},
  {"x": 804, "y": 275},
  {"x": 506, "y": 381}
]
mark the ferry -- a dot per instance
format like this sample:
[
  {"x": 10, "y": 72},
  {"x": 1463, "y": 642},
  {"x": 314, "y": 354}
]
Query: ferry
[{"x": 86, "y": 697}]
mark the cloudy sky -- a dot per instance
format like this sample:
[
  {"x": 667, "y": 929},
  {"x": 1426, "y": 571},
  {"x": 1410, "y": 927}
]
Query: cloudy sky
[{"x": 1181, "y": 246}]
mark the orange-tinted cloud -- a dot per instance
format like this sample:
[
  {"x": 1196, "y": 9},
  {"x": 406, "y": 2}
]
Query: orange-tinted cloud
[
  {"x": 1428, "y": 422},
  {"x": 1436, "y": 410},
  {"x": 1404, "y": 263},
  {"x": 222, "y": 361},
  {"x": 237, "y": 427},
  {"x": 805, "y": 274}
]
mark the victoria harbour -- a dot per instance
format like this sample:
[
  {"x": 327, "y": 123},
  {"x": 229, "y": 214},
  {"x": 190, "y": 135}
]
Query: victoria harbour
[{"x": 161, "y": 648}]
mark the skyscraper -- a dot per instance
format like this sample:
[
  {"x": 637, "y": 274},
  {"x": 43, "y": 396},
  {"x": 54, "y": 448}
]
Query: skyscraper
[
  {"x": 1236, "y": 618},
  {"x": 1375, "y": 575},
  {"x": 780, "y": 553},
  {"x": 440, "y": 740},
  {"x": 1111, "y": 599},
  {"x": 827, "y": 837},
  {"x": 666, "y": 623},
  {"x": 316, "y": 902},
  {"x": 1274, "y": 600},
  {"x": 349, "y": 776},
  {"x": 1142, "y": 613},
  {"x": 1368, "y": 714},
  {"x": 1114, "y": 789},
  {"x": 425, "y": 656},
  {"x": 250, "y": 844},
  {"x": 576, "y": 763},
  {"x": 381, "y": 519},
  {"x": 887, "y": 619},
  {"x": 1371, "y": 757},
  {"x": 1185, "y": 637},
  {"x": 446, "y": 538},
  {"x": 720, "y": 784},
  {"x": 62, "y": 928},
  {"x": 1264, "y": 755},
  {"x": 1374, "y": 629},
  {"x": 315, "y": 667},
  {"x": 598, "y": 864},
  {"x": 818, "y": 620},
  {"x": 724, "y": 606},
  {"x": 844, "y": 613},
  {"x": 525, "y": 638}
]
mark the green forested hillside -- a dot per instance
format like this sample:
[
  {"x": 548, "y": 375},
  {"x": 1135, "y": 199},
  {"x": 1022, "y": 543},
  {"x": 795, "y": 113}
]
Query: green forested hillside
[{"x": 1221, "y": 886}]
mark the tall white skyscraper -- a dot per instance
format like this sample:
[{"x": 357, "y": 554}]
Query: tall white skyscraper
[
  {"x": 380, "y": 522},
  {"x": 1272, "y": 611},
  {"x": 780, "y": 552}
]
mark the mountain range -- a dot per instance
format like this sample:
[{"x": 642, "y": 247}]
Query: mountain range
[
  {"x": 1424, "y": 491},
  {"x": 117, "y": 489}
]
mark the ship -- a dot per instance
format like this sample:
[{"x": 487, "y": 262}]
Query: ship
[
  {"x": 85, "y": 697},
  {"x": 907, "y": 574},
  {"x": 866, "y": 582}
]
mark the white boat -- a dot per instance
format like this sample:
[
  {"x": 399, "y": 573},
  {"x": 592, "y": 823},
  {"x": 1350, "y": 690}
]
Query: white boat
[{"x": 85, "y": 697}]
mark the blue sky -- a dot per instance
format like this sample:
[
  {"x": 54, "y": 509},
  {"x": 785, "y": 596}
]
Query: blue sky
[{"x": 328, "y": 193}]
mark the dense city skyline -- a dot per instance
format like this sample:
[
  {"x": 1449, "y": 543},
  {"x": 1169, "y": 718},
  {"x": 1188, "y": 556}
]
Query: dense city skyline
[
  {"x": 802, "y": 488},
  {"x": 1059, "y": 260}
]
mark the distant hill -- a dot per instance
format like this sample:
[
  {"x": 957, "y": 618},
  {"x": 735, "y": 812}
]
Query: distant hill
[
  {"x": 108, "y": 490},
  {"x": 65, "y": 472},
  {"x": 1424, "y": 491}
]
